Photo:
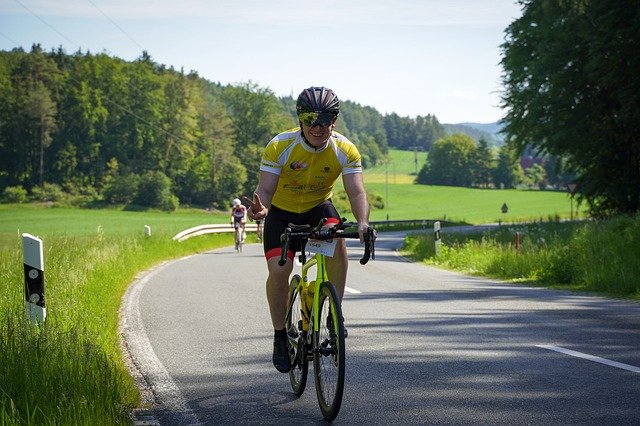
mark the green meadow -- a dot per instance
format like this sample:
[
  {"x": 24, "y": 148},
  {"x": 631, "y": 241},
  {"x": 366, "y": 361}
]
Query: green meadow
[
  {"x": 404, "y": 200},
  {"x": 473, "y": 206},
  {"x": 38, "y": 219}
]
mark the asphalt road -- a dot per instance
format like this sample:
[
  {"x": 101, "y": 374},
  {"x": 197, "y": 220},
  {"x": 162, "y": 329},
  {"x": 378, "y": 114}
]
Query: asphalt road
[{"x": 425, "y": 346}]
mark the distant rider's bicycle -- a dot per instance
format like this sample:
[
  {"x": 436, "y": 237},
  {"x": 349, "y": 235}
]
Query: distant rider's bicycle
[
  {"x": 314, "y": 321},
  {"x": 238, "y": 235}
]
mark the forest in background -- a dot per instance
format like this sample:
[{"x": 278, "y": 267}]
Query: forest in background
[{"x": 97, "y": 127}]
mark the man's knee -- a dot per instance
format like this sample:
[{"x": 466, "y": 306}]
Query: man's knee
[{"x": 280, "y": 273}]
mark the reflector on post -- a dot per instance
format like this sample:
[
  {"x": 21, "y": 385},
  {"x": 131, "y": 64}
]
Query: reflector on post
[{"x": 34, "y": 278}]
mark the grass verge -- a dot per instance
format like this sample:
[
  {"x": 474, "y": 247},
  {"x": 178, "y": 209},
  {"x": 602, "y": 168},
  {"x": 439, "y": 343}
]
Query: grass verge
[
  {"x": 602, "y": 256},
  {"x": 70, "y": 370}
]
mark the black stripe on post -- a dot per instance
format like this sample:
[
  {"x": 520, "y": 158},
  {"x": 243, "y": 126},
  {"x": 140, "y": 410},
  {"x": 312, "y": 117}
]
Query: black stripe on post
[{"x": 34, "y": 285}]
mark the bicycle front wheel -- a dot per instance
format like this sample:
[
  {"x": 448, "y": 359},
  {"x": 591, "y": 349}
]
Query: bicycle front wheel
[
  {"x": 238, "y": 239},
  {"x": 329, "y": 353},
  {"x": 297, "y": 339}
]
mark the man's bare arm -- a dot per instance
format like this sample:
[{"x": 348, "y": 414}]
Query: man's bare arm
[
  {"x": 354, "y": 187},
  {"x": 259, "y": 205}
]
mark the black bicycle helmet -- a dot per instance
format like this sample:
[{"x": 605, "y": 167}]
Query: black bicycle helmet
[{"x": 318, "y": 99}]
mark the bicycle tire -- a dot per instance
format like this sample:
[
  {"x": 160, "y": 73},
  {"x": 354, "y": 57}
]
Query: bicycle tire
[
  {"x": 329, "y": 353},
  {"x": 297, "y": 339},
  {"x": 238, "y": 237}
]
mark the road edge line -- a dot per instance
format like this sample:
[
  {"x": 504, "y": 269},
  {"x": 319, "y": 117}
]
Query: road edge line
[{"x": 156, "y": 386}]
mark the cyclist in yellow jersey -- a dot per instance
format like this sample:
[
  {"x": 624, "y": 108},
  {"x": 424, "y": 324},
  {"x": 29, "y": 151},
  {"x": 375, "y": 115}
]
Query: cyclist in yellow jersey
[{"x": 298, "y": 171}]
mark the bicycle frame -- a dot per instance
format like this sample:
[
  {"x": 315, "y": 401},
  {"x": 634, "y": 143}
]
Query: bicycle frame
[{"x": 319, "y": 261}]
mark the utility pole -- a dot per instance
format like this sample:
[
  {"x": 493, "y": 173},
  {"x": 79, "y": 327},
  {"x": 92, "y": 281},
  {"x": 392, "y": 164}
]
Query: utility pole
[{"x": 386, "y": 183}]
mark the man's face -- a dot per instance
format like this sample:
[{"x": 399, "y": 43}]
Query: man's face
[{"x": 318, "y": 134}]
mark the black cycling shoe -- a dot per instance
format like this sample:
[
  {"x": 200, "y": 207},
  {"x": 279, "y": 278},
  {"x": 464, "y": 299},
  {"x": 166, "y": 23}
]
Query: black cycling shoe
[{"x": 281, "y": 358}]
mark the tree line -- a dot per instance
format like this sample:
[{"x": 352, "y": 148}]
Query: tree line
[
  {"x": 458, "y": 160},
  {"x": 97, "y": 127}
]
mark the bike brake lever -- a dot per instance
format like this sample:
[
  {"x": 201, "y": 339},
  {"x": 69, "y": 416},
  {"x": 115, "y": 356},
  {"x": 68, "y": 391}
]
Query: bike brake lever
[
  {"x": 369, "y": 247},
  {"x": 374, "y": 235}
]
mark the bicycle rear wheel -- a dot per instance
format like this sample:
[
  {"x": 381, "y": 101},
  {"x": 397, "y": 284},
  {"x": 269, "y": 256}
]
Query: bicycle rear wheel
[
  {"x": 329, "y": 353},
  {"x": 297, "y": 339}
]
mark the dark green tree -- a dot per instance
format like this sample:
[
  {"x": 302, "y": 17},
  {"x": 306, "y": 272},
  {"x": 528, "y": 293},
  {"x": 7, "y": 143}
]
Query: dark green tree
[
  {"x": 536, "y": 175},
  {"x": 83, "y": 115},
  {"x": 556, "y": 173},
  {"x": 449, "y": 162},
  {"x": 366, "y": 122},
  {"x": 508, "y": 172},
  {"x": 154, "y": 190},
  {"x": 179, "y": 123},
  {"x": 257, "y": 117},
  {"x": 42, "y": 109},
  {"x": 31, "y": 120},
  {"x": 571, "y": 90},
  {"x": 482, "y": 164},
  {"x": 228, "y": 175}
]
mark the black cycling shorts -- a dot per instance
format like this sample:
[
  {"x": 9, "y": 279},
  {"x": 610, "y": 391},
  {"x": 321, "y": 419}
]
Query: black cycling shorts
[{"x": 278, "y": 219}]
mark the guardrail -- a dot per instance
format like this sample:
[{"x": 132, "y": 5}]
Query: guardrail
[
  {"x": 252, "y": 227},
  {"x": 213, "y": 228},
  {"x": 405, "y": 224}
]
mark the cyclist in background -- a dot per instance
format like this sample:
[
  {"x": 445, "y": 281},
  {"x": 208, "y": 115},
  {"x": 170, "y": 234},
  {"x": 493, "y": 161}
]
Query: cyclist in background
[
  {"x": 239, "y": 216},
  {"x": 298, "y": 171}
]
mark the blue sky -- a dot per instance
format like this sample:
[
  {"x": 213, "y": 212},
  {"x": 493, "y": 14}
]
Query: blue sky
[{"x": 411, "y": 57}]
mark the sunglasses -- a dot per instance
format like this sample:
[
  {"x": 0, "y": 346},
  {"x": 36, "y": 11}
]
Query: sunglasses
[{"x": 312, "y": 119}]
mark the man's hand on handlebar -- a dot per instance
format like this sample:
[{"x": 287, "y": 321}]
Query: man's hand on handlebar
[
  {"x": 366, "y": 236},
  {"x": 363, "y": 228}
]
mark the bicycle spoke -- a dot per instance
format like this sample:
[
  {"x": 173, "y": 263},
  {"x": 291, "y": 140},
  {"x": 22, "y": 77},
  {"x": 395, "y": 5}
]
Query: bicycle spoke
[{"x": 297, "y": 338}]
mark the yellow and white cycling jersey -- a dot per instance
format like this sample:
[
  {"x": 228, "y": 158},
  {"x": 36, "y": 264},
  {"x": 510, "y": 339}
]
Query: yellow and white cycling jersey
[{"x": 306, "y": 175}]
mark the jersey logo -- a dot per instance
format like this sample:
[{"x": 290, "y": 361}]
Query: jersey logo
[{"x": 297, "y": 165}]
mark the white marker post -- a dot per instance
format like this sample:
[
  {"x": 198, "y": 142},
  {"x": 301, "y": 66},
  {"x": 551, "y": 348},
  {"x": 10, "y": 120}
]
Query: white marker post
[
  {"x": 436, "y": 236},
  {"x": 34, "y": 278},
  {"x": 147, "y": 231}
]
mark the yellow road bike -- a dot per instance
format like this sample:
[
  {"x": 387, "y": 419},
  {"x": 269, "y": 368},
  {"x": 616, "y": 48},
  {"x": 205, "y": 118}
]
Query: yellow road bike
[{"x": 314, "y": 321}]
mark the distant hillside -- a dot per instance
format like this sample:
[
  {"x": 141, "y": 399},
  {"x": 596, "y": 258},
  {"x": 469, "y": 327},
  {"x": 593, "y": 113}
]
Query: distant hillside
[{"x": 490, "y": 131}]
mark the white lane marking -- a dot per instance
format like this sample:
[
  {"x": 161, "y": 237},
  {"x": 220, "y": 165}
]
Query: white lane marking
[
  {"x": 352, "y": 290},
  {"x": 591, "y": 358},
  {"x": 166, "y": 393}
]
